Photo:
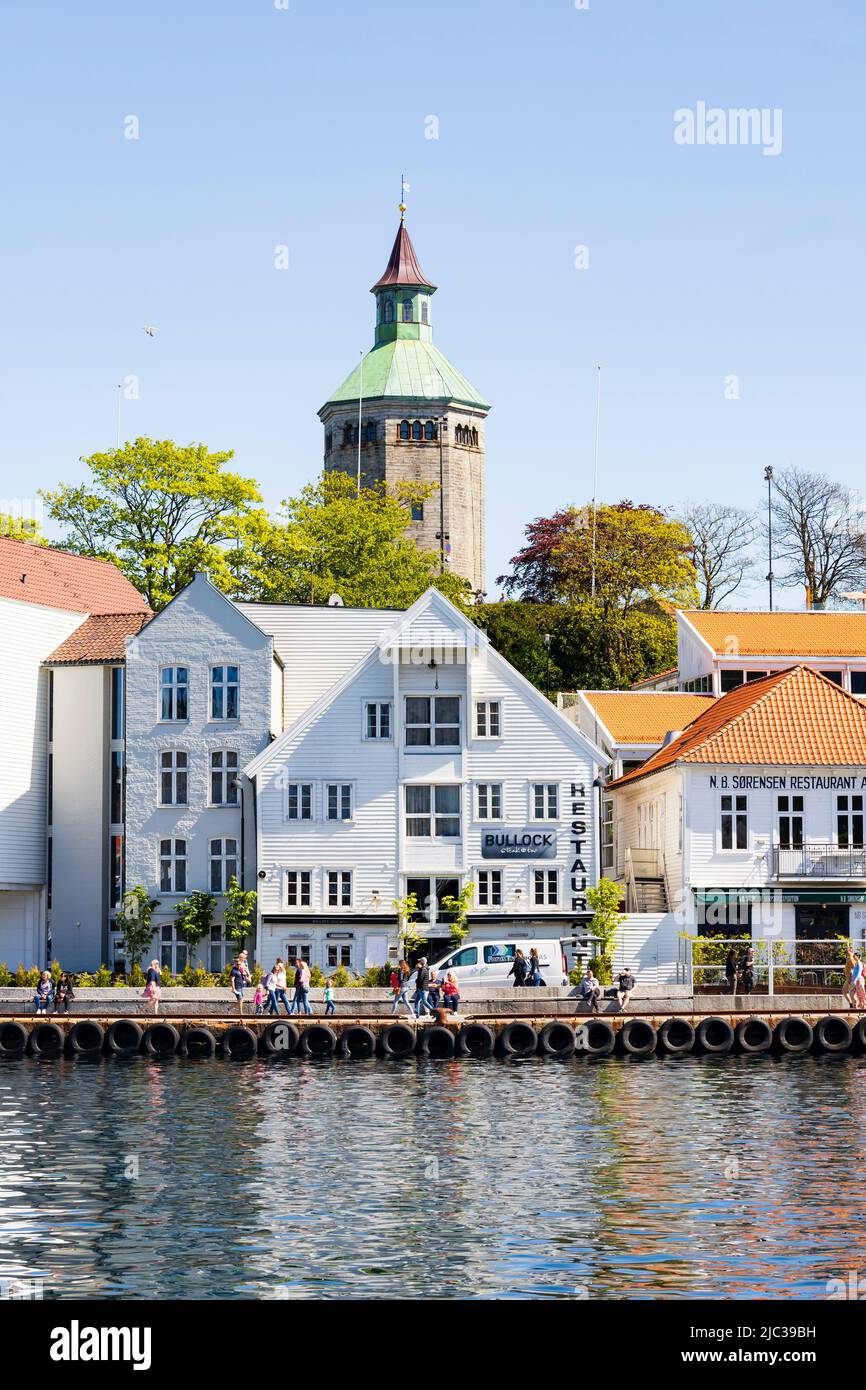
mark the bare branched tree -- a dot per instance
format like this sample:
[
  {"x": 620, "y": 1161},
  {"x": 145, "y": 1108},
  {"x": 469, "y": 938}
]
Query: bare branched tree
[
  {"x": 819, "y": 533},
  {"x": 722, "y": 556}
]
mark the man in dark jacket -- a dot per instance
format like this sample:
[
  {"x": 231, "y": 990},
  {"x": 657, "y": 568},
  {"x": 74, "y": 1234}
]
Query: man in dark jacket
[
  {"x": 519, "y": 969},
  {"x": 422, "y": 980}
]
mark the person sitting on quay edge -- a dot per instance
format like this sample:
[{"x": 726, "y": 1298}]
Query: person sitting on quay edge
[
  {"x": 624, "y": 987},
  {"x": 44, "y": 992},
  {"x": 451, "y": 993},
  {"x": 590, "y": 990},
  {"x": 519, "y": 969},
  {"x": 63, "y": 993}
]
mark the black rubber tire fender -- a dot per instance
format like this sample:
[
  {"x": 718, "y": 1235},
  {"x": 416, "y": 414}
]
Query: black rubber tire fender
[
  {"x": 161, "y": 1039},
  {"x": 475, "y": 1040},
  {"x": 358, "y": 1042},
  {"x": 13, "y": 1039},
  {"x": 240, "y": 1043},
  {"x": 714, "y": 1035},
  {"x": 638, "y": 1037},
  {"x": 46, "y": 1040},
  {"x": 317, "y": 1040},
  {"x": 397, "y": 1040},
  {"x": 436, "y": 1041},
  {"x": 754, "y": 1035},
  {"x": 123, "y": 1037},
  {"x": 596, "y": 1038},
  {"x": 676, "y": 1037},
  {"x": 833, "y": 1033},
  {"x": 198, "y": 1042},
  {"x": 518, "y": 1039},
  {"x": 793, "y": 1035},
  {"x": 280, "y": 1038},
  {"x": 556, "y": 1039},
  {"x": 86, "y": 1038}
]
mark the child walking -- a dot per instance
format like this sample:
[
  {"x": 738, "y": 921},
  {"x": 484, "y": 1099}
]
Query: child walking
[
  {"x": 260, "y": 997},
  {"x": 328, "y": 996}
]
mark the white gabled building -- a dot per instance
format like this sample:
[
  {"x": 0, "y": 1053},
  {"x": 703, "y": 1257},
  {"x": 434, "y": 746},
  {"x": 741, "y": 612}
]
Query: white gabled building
[{"x": 430, "y": 764}]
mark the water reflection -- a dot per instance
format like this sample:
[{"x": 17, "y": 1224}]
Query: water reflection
[{"x": 694, "y": 1177}]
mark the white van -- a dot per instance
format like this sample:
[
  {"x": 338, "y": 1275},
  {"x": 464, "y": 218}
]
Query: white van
[{"x": 489, "y": 962}]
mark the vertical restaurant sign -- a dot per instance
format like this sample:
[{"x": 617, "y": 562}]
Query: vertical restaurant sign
[{"x": 577, "y": 832}]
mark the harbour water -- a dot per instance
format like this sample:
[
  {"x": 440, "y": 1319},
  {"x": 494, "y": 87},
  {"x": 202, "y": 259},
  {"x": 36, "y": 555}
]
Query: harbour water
[{"x": 704, "y": 1177}]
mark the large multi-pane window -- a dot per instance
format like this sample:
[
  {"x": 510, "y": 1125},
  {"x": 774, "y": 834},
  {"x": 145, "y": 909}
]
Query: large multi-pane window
[
  {"x": 790, "y": 809},
  {"x": 545, "y": 800},
  {"x": 849, "y": 822},
  {"x": 432, "y": 721},
  {"x": 172, "y": 866},
  {"x": 224, "y": 777},
  {"x": 489, "y": 887},
  {"x": 224, "y": 692},
  {"x": 299, "y": 801},
  {"x": 489, "y": 801},
  {"x": 488, "y": 722},
  {"x": 339, "y": 800},
  {"x": 607, "y": 842},
  {"x": 174, "y": 692},
  {"x": 173, "y": 777},
  {"x": 433, "y": 811},
  {"x": 299, "y": 888},
  {"x": 339, "y": 888},
  {"x": 339, "y": 954},
  {"x": 735, "y": 822},
  {"x": 223, "y": 858},
  {"x": 545, "y": 887}
]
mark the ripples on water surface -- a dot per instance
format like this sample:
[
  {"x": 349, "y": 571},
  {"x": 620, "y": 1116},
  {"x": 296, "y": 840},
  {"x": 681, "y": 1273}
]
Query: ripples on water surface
[{"x": 421, "y": 1179}]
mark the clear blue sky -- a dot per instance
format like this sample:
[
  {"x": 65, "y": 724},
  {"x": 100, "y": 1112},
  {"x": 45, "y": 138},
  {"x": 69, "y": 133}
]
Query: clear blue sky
[{"x": 261, "y": 126}]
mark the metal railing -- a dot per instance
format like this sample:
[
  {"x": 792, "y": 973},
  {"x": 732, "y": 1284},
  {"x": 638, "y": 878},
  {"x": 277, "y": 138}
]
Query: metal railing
[
  {"x": 819, "y": 861},
  {"x": 813, "y": 961}
]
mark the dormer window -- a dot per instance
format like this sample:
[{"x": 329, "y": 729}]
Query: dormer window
[
  {"x": 389, "y": 311},
  {"x": 407, "y": 311}
]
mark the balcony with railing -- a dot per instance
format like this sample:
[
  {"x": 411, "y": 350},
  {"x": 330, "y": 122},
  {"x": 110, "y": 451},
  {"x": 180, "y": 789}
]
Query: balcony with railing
[{"x": 817, "y": 861}]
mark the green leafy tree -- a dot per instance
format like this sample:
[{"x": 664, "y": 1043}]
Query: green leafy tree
[
  {"x": 460, "y": 907},
  {"x": 160, "y": 511},
  {"x": 239, "y": 913},
  {"x": 135, "y": 923},
  {"x": 604, "y": 900},
  {"x": 22, "y": 528},
  {"x": 331, "y": 539},
  {"x": 410, "y": 937},
  {"x": 194, "y": 918}
]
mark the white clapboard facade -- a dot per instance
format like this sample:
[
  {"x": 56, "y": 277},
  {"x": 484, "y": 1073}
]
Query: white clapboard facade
[
  {"x": 428, "y": 765},
  {"x": 752, "y": 818}
]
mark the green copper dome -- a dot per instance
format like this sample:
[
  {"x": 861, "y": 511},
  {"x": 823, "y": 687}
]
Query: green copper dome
[
  {"x": 407, "y": 367},
  {"x": 403, "y": 360}
]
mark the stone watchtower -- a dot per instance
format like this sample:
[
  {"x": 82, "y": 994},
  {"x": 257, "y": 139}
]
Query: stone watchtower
[{"x": 418, "y": 415}]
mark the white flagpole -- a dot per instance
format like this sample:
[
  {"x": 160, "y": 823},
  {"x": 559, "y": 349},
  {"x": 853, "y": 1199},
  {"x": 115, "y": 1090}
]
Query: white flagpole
[
  {"x": 360, "y": 404},
  {"x": 595, "y": 473}
]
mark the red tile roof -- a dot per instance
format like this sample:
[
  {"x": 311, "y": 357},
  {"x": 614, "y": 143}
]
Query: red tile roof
[
  {"x": 99, "y": 639},
  {"x": 402, "y": 267},
  {"x": 55, "y": 579},
  {"x": 794, "y": 718},
  {"x": 813, "y": 633},
  {"x": 645, "y": 716}
]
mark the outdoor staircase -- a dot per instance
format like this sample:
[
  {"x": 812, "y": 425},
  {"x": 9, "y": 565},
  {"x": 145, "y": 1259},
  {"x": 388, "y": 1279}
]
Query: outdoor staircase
[{"x": 650, "y": 895}]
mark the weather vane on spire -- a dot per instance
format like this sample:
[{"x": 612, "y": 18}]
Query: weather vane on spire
[{"x": 404, "y": 189}]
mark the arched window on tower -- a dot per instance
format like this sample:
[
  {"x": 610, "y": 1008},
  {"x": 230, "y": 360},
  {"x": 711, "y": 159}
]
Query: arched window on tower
[
  {"x": 407, "y": 311},
  {"x": 474, "y": 438},
  {"x": 389, "y": 311},
  {"x": 458, "y": 435},
  {"x": 430, "y": 430},
  {"x": 404, "y": 429},
  {"x": 329, "y": 442},
  {"x": 424, "y": 311},
  {"x": 369, "y": 436},
  {"x": 417, "y": 511},
  {"x": 416, "y": 429}
]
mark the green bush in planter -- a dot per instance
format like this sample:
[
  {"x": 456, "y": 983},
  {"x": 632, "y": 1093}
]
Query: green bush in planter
[{"x": 6, "y": 976}]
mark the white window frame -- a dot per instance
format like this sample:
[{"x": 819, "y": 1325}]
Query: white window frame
[
  {"x": 491, "y": 882},
  {"x": 224, "y": 858},
  {"x": 340, "y": 949},
  {"x": 226, "y": 775},
  {"x": 341, "y": 876},
  {"x": 485, "y": 795},
  {"x": 433, "y": 816},
  {"x": 608, "y": 823},
  {"x": 379, "y": 706},
  {"x": 552, "y": 878},
  {"x": 173, "y": 771},
  {"x": 791, "y": 814},
  {"x": 173, "y": 858},
  {"x": 224, "y": 685},
  {"x": 733, "y": 797},
  {"x": 488, "y": 706},
  {"x": 432, "y": 725},
  {"x": 547, "y": 787},
  {"x": 342, "y": 789},
  {"x": 299, "y": 874},
  {"x": 173, "y": 688},
  {"x": 299, "y": 819},
  {"x": 849, "y": 813}
]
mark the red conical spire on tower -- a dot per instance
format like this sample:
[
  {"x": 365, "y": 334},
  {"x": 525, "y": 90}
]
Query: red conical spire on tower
[{"x": 402, "y": 267}]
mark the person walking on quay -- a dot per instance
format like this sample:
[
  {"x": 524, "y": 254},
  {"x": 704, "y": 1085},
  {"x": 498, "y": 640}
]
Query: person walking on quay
[
  {"x": 746, "y": 970},
  {"x": 519, "y": 969},
  {"x": 63, "y": 993},
  {"x": 44, "y": 992},
  {"x": 847, "y": 992},
  {"x": 451, "y": 993},
  {"x": 731, "y": 970},
  {"x": 330, "y": 1006},
  {"x": 590, "y": 990},
  {"x": 240, "y": 978},
  {"x": 277, "y": 984},
  {"x": 624, "y": 987},
  {"x": 422, "y": 981},
  {"x": 152, "y": 989},
  {"x": 400, "y": 986},
  {"x": 301, "y": 1001},
  {"x": 858, "y": 982},
  {"x": 534, "y": 977}
]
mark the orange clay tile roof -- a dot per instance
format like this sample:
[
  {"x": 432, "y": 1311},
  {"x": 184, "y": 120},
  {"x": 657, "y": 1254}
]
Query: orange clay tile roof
[
  {"x": 55, "y": 579},
  {"x": 813, "y": 633},
  {"x": 101, "y": 638},
  {"x": 795, "y": 718},
  {"x": 645, "y": 716}
]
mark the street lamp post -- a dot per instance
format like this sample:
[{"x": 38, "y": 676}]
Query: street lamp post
[
  {"x": 768, "y": 474},
  {"x": 547, "y": 639}
]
